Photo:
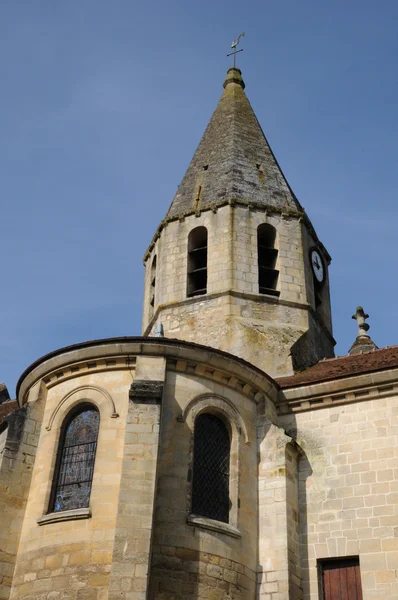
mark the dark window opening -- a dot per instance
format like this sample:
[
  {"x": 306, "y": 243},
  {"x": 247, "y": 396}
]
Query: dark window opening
[
  {"x": 197, "y": 262},
  {"x": 152, "y": 284},
  {"x": 210, "y": 484},
  {"x": 205, "y": 167},
  {"x": 318, "y": 299},
  {"x": 75, "y": 462},
  {"x": 267, "y": 257},
  {"x": 340, "y": 578}
]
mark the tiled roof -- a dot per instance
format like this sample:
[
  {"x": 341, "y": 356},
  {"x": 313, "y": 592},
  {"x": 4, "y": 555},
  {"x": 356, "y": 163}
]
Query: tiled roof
[{"x": 344, "y": 366}]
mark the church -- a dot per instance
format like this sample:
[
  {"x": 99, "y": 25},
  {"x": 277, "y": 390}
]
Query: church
[{"x": 225, "y": 454}]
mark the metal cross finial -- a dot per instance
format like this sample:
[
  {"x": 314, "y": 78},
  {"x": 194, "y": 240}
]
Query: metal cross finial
[
  {"x": 234, "y": 46},
  {"x": 360, "y": 317}
]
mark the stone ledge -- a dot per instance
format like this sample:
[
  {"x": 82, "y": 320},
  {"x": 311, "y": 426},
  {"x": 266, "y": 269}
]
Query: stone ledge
[
  {"x": 336, "y": 392},
  {"x": 65, "y": 515},
  {"x": 213, "y": 525}
]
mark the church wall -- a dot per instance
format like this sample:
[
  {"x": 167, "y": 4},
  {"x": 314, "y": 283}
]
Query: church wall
[
  {"x": 250, "y": 327},
  {"x": 19, "y": 444},
  {"x": 136, "y": 531},
  {"x": 72, "y": 559},
  {"x": 348, "y": 491},
  {"x": 191, "y": 561}
]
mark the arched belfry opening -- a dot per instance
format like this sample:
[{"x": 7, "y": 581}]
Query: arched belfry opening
[
  {"x": 197, "y": 262},
  {"x": 152, "y": 287},
  {"x": 267, "y": 257}
]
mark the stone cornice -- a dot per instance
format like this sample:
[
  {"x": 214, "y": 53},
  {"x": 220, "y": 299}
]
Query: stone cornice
[
  {"x": 225, "y": 378},
  {"x": 88, "y": 366},
  {"x": 120, "y": 353},
  {"x": 368, "y": 386},
  {"x": 214, "y": 206},
  {"x": 258, "y": 298}
]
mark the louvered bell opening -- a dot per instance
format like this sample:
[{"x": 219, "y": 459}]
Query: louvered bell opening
[
  {"x": 197, "y": 262},
  {"x": 153, "y": 283},
  {"x": 267, "y": 256}
]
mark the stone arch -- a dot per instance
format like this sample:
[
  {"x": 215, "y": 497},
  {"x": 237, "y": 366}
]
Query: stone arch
[
  {"x": 223, "y": 408},
  {"x": 90, "y": 393},
  {"x": 218, "y": 404}
]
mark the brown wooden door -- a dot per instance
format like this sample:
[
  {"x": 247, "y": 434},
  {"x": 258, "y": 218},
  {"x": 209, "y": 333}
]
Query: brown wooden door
[{"x": 341, "y": 580}]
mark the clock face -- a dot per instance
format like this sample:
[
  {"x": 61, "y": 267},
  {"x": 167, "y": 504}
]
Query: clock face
[{"x": 317, "y": 266}]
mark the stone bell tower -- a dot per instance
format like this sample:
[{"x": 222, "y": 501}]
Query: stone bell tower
[{"x": 236, "y": 263}]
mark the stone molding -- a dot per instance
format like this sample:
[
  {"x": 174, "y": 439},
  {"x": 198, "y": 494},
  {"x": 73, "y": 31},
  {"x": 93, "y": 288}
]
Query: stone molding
[
  {"x": 368, "y": 386},
  {"x": 79, "y": 391},
  {"x": 300, "y": 215},
  {"x": 203, "y": 402},
  {"x": 65, "y": 515},
  {"x": 85, "y": 367},
  {"x": 218, "y": 376},
  {"x": 210, "y": 362},
  {"x": 213, "y": 525},
  {"x": 258, "y": 298}
]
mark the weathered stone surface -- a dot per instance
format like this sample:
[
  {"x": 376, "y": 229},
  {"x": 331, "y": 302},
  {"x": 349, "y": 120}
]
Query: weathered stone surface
[
  {"x": 233, "y": 160},
  {"x": 146, "y": 392}
]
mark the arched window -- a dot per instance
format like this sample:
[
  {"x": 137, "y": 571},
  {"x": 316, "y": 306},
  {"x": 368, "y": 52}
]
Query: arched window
[
  {"x": 197, "y": 262},
  {"x": 152, "y": 286},
  {"x": 210, "y": 484},
  {"x": 75, "y": 461},
  {"x": 267, "y": 255}
]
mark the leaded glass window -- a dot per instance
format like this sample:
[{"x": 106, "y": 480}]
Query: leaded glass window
[
  {"x": 210, "y": 485},
  {"x": 75, "y": 464}
]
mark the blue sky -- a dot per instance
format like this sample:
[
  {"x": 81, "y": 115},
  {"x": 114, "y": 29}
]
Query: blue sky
[{"x": 103, "y": 104}]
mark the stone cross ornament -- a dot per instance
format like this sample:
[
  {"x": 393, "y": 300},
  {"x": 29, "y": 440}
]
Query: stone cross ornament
[{"x": 360, "y": 317}]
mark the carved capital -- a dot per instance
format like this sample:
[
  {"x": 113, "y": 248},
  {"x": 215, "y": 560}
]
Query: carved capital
[{"x": 146, "y": 392}]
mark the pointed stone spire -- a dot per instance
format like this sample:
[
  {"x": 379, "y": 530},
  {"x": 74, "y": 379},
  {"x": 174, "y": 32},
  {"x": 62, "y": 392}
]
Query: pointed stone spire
[
  {"x": 363, "y": 343},
  {"x": 233, "y": 161},
  {"x": 233, "y": 266}
]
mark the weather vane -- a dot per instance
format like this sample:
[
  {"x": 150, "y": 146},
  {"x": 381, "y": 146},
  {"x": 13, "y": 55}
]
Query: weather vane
[{"x": 234, "y": 46}]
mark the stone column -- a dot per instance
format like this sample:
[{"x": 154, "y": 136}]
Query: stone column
[
  {"x": 279, "y": 576},
  {"x": 132, "y": 550}
]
